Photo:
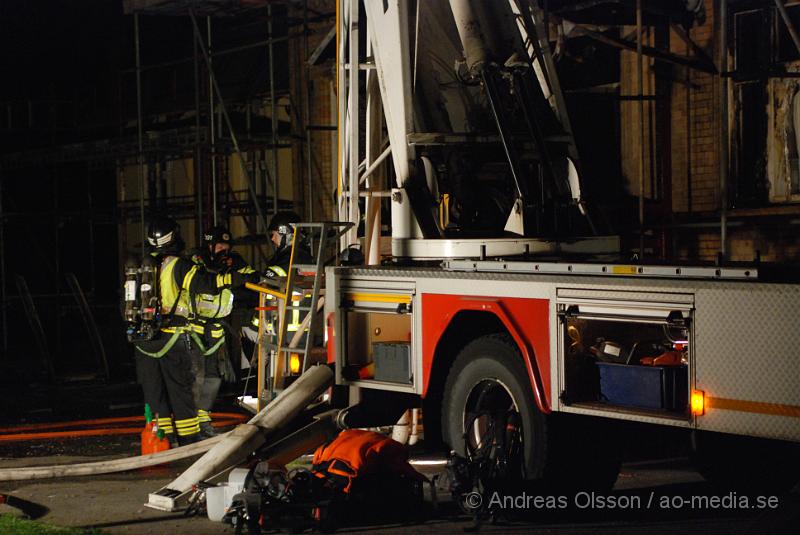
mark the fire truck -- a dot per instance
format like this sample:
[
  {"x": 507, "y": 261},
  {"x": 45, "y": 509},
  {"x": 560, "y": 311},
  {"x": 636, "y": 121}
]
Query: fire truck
[
  {"x": 502, "y": 307},
  {"x": 505, "y": 303}
]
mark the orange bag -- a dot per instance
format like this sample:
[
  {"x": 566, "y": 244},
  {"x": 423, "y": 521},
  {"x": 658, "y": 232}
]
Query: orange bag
[{"x": 356, "y": 453}]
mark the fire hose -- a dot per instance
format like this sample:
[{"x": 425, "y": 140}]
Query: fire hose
[
  {"x": 98, "y": 427},
  {"x": 109, "y": 466},
  {"x": 233, "y": 447}
]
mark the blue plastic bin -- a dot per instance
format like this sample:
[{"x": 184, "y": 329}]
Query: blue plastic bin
[{"x": 644, "y": 387}]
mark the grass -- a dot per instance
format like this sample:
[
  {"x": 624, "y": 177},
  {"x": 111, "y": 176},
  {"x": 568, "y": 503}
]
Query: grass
[{"x": 17, "y": 526}]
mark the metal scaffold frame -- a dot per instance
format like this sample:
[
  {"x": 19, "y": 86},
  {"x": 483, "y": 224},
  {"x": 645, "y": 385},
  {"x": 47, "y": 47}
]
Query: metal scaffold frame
[{"x": 147, "y": 150}]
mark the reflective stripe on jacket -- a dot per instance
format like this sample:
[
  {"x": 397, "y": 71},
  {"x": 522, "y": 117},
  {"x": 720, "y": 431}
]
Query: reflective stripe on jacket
[{"x": 214, "y": 306}]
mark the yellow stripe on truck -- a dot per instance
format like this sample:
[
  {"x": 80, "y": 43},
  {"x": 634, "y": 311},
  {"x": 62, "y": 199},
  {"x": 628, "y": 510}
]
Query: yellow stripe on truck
[{"x": 379, "y": 298}]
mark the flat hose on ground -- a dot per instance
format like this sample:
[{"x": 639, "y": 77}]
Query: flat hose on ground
[{"x": 110, "y": 466}]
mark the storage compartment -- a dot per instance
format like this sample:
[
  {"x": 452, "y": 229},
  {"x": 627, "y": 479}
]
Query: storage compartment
[
  {"x": 392, "y": 362},
  {"x": 625, "y": 357},
  {"x": 378, "y": 347},
  {"x": 644, "y": 387}
]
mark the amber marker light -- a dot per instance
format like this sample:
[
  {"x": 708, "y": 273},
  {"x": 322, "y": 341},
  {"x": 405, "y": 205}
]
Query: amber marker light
[
  {"x": 698, "y": 402},
  {"x": 294, "y": 364}
]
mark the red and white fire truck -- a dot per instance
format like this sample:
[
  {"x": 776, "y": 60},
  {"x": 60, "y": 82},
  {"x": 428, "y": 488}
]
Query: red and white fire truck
[{"x": 492, "y": 311}]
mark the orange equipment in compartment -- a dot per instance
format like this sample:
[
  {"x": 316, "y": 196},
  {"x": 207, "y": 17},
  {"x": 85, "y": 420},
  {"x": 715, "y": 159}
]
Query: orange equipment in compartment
[{"x": 667, "y": 358}]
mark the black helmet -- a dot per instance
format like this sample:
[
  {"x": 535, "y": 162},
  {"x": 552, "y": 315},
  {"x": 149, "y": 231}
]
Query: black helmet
[
  {"x": 218, "y": 234},
  {"x": 283, "y": 219},
  {"x": 282, "y": 224},
  {"x": 164, "y": 234}
]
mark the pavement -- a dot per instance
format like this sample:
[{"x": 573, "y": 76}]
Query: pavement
[{"x": 650, "y": 498}]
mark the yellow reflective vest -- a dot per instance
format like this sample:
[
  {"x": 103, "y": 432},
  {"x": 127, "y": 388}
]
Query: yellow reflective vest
[
  {"x": 272, "y": 324},
  {"x": 171, "y": 292}
]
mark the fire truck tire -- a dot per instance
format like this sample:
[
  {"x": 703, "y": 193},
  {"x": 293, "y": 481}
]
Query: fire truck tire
[
  {"x": 560, "y": 451},
  {"x": 493, "y": 366},
  {"x": 749, "y": 464}
]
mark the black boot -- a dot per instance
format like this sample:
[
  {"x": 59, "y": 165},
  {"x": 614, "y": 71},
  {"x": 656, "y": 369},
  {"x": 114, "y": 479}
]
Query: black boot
[
  {"x": 189, "y": 439},
  {"x": 207, "y": 430}
]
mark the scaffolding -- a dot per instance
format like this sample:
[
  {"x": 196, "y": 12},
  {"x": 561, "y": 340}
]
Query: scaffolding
[{"x": 229, "y": 146}]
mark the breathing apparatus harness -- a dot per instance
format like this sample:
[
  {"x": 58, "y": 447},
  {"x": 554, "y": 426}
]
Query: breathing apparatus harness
[
  {"x": 142, "y": 299},
  {"x": 143, "y": 312}
]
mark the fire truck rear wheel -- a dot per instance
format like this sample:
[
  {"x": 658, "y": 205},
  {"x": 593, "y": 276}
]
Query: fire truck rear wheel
[
  {"x": 563, "y": 452},
  {"x": 488, "y": 385}
]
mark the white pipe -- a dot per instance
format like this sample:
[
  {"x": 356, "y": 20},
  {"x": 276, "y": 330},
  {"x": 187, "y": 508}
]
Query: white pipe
[
  {"x": 402, "y": 429},
  {"x": 470, "y": 34},
  {"x": 413, "y": 438},
  {"x": 374, "y": 165},
  {"x": 353, "y": 212},
  {"x": 248, "y": 437}
]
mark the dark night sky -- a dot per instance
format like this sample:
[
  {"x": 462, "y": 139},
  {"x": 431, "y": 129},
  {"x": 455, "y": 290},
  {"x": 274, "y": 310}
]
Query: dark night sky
[
  {"x": 63, "y": 57},
  {"x": 53, "y": 46}
]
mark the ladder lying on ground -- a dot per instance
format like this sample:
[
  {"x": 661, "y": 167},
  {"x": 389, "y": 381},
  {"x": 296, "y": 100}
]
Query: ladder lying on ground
[{"x": 300, "y": 294}]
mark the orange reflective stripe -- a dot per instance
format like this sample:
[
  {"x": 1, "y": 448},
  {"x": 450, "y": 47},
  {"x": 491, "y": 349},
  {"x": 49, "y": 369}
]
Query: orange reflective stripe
[{"x": 758, "y": 407}]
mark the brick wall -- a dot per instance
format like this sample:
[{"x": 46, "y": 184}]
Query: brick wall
[
  {"x": 633, "y": 133},
  {"x": 695, "y": 160},
  {"x": 318, "y": 81},
  {"x": 771, "y": 244},
  {"x": 695, "y": 141}
]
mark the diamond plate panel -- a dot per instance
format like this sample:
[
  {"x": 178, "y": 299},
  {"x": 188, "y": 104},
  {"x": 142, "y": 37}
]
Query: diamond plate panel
[{"x": 747, "y": 346}]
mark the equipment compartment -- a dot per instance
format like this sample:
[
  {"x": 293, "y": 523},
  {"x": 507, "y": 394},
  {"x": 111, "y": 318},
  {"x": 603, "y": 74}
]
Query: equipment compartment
[
  {"x": 378, "y": 347},
  {"x": 625, "y": 357}
]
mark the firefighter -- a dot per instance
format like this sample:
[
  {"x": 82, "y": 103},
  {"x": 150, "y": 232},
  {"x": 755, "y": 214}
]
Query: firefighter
[
  {"x": 210, "y": 322},
  {"x": 164, "y": 363},
  {"x": 282, "y": 235},
  {"x": 281, "y": 232}
]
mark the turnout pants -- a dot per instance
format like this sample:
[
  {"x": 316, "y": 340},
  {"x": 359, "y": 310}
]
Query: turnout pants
[
  {"x": 167, "y": 384},
  {"x": 206, "y": 380}
]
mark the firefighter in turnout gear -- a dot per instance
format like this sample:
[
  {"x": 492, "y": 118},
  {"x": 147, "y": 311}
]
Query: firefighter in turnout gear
[
  {"x": 164, "y": 358},
  {"x": 211, "y": 322},
  {"x": 281, "y": 232},
  {"x": 282, "y": 235}
]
